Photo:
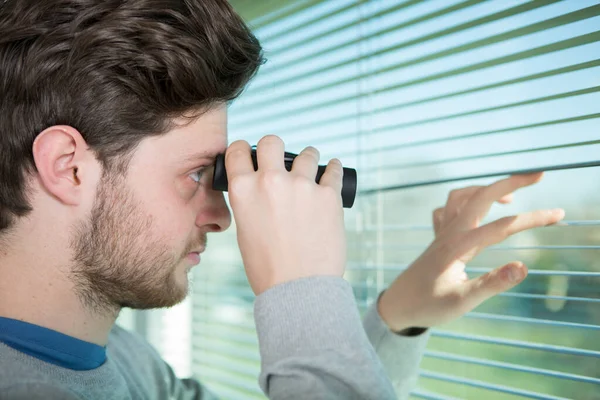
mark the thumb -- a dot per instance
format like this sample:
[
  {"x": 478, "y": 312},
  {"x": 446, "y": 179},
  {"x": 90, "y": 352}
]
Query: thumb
[{"x": 494, "y": 282}]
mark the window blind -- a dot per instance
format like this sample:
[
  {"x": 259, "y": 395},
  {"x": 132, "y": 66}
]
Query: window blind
[{"x": 423, "y": 97}]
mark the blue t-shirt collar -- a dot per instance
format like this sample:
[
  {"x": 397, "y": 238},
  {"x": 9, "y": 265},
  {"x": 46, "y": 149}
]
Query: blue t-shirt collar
[{"x": 51, "y": 346}]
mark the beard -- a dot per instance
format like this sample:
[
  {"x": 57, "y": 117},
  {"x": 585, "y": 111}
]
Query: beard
[{"x": 118, "y": 262}]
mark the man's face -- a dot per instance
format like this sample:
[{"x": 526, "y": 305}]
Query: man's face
[{"x": 146, "y": 228}]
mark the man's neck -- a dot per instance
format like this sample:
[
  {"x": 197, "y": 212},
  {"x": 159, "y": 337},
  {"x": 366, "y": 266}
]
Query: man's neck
[{"x": 35, "y": 290}]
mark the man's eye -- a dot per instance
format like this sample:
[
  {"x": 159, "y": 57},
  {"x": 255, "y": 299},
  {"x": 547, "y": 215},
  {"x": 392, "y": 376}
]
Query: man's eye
[{"x": 197, "y": 175}]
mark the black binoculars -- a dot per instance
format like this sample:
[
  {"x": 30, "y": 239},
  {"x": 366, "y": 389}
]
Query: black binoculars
[{"x": 348, "y": 185}]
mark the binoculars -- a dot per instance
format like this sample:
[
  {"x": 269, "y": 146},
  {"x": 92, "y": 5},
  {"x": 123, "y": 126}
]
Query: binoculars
[{"x": 348, "y": 185}]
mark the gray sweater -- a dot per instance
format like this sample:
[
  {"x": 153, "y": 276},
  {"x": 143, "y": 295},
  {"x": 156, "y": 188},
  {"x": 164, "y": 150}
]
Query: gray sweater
[{"x": 312, "y": 346}]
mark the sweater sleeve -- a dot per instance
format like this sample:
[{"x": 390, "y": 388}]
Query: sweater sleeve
[
  {"x": 400, "y": 355},
  {"x": 313, "y": 344}
]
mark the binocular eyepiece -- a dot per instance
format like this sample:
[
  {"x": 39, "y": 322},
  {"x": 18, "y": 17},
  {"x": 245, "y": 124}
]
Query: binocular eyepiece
[{"x": 348, "y": 186}]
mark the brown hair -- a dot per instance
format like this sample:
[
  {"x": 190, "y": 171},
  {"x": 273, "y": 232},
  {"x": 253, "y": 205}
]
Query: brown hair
[{"x": 116, "y": 70}]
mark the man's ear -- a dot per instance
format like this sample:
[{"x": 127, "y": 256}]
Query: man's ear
[{"x": 59, "y": 153}]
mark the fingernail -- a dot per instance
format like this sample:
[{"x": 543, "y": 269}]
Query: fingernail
[
  {"x": 558, "y": 213},
  {"x": 515, "y": 273}
]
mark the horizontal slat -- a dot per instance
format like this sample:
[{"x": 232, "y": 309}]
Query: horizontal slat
[
  {"x": 365, "y": 304},
  {"x": 549, "y": 297},
  {"x": 478, "y": 270},
  {"x": 338, "y": 141},
  {"x": 276, "y": 51},
  {"x": 269, "y": 38},
  {"x": 200, "y": 318},
  {"x": 511, "y": 34},
  {"x": 468, "y": 118},
  {"x": 554, "y": 22},
  {"x": 282, "y": 14},
  {"x": 424, "y": 394},
  {"x": 232, "y": 382},
  {"x": 242, "y": 355},
  {"x": 436, "y": 119},
  {"x": 509, "y": 120},
  {"x": 508, "y": 366},
  {"x": 236, "y": 291},
  {"x": 487, "y": 156},
  {"x": 404, "y": 24},
  {"x": 394, "y": 134},
  {"x": 531, "y": 296},
  {"x": 455, "y": 138},
  {"x": 523, "y": 320},
  {"x": 548, "y": 131},
  {"x": 586, "y": 274},
  {"x": 376, "y": 286},
  {"x": 403, "y": 227},
  {"x": 515, "y": 343},
  {"x": 218, "y": 296},
  {"x": 206, "y": 345},
  {"x": 223, "y": 388},
  {"x": 369, "y": 245},
  {"x": 250, "y": 339},
  {"x": 488, "y": 386},
  {"x": 216, "y": 291},
  {"x": 353, "y": 114},
  {"x": 372, "y": 191},
  {"x": 238, "y": 277},
  {"x": 204, "y": 326},
  {"x": 210, "y": 362}
]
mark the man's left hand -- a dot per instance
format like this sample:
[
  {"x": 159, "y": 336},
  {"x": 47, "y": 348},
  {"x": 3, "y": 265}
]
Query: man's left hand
[{"x": 435, "y": 289}]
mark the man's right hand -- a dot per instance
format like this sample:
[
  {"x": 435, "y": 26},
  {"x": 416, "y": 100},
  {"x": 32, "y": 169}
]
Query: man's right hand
[{"x": 288, "y": 226}]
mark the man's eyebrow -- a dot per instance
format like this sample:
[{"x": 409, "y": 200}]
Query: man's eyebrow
[{"x": 205, "y": 155}]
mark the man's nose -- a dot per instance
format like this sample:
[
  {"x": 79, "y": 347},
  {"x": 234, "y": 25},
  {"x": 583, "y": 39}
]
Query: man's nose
[{"x": 214, "y": 213}]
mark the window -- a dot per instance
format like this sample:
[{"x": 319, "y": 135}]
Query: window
[{"x": 423, "y": 97}]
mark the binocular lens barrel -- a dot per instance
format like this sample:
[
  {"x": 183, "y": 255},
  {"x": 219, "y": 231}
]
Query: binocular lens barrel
[{"x": 348, "y": 186}]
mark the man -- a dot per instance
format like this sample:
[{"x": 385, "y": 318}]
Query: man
[{"x": 111, "y": 115}]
